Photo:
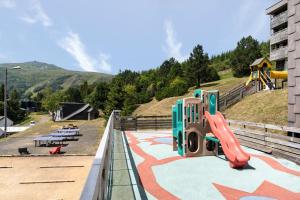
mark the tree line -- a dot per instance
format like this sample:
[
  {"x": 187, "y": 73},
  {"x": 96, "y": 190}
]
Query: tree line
[
  {"x": 128, "y": 88},
  {"x": 14, "y": 111}
]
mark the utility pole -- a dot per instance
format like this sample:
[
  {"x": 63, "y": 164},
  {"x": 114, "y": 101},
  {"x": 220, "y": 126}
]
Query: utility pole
[{"x": 5, "y": 103}]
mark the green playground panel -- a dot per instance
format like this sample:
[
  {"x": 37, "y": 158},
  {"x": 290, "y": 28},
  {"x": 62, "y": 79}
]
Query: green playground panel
[
  {"x": 213, "y": 96},
  {"x": 180, "y": 130},
  {"x": 213, "y": 139},
  {"x": 174, "y": 120},
  {"x": 198, "y": 93}
]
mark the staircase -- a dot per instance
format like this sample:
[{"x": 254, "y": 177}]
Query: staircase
[
  {"x": 266, "y": 80},
  {"x": 235, "y": 95}
]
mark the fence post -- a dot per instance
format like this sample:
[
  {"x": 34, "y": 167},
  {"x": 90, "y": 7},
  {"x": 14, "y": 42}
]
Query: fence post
[{"x": 241, "y": 93}]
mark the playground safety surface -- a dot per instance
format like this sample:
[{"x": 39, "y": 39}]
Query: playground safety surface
[{"x": 165, "y": 175}]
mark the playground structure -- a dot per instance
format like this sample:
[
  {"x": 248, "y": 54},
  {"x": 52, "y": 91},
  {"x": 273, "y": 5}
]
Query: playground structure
[
  {"x": 262, "y": 73},
  {"x": 200, "y": 130}
]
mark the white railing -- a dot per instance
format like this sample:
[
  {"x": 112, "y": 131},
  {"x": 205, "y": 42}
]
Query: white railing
[{"x": 96, "y": 185}]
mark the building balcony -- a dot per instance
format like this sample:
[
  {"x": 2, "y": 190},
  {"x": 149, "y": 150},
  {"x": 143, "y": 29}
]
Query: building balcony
[
  {"x": 279, "y": 19},
  {"x": 276, "y": 7},
  {"x": 279, "y": 36},
  {"x": 278, "y": 54}
]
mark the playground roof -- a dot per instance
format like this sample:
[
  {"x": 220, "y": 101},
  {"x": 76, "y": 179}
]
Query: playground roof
[
  {"x": 259, "y": 62},
  {"x": 166, "y": 175}
]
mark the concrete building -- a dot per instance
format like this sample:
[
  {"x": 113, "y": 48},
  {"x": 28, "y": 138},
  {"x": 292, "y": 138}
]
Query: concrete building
[
  {"x": 285, "y": 43},
  {"x": 279, "y": 34}
]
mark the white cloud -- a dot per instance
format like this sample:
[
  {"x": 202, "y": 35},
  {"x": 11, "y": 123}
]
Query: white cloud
[
  {"x": 37, "y": 14},
  {"x": 74, "y": 46},
  {"x": 103, "y": 63},
  {"x": 7, "y": 3},
  {"x": 172, "y": 46}
]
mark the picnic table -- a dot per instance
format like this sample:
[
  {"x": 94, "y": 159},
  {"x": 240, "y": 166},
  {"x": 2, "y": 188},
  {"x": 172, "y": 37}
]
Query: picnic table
[
  {"x": 48, "y": 139},
  {"x": 70, "y": 135},
  {"x": 74, "y": 130}
]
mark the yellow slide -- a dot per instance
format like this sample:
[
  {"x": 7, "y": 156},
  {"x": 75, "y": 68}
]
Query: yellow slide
[
  {"x": 249, "y": 80},
  {"x": 279, "y": 74}
]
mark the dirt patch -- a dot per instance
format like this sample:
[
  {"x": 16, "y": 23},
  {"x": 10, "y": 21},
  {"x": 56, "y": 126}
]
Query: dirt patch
[{"x": 28, "y": 169}]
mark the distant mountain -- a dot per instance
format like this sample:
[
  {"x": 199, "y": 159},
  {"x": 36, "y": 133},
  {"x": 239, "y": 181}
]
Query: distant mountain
[{"x": 35, "y": 76}]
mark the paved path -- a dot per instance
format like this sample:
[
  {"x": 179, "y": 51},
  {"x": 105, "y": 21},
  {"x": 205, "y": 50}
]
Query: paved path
[
  {"x": 124, "y": 183},
  {"x": 165, "y": 175}
]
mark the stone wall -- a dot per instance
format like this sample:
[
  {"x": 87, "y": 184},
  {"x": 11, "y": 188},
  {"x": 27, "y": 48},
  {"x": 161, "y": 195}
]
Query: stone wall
[{"x": 294, "y": 63}]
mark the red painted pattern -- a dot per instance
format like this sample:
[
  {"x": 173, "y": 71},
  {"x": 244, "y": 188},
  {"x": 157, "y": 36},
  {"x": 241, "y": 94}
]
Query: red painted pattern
[
  {"x": 145, "y": 170},
  {"x": 266, "y": 189},
  {"x": 276, "y": 165}
]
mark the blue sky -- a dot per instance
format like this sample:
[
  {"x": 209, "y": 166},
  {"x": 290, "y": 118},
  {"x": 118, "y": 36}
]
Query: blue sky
[{"x": 109, "y": 35}]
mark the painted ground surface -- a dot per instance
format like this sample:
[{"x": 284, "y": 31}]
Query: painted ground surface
[{"x": 165, "y": 175}]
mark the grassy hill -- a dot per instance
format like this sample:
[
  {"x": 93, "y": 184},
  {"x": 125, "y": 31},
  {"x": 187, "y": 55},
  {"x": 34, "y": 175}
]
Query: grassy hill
[
  {"x": 164, "y": 106},
  {"x": 35, "y": 76},
  {"x": 263, "y": 107}
]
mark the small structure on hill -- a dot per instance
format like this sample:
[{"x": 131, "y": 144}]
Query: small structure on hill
[
  {"x": 9, "y": 121},
  {"x": 262, "y": 73},
  {"x": 75, "y": 111}
]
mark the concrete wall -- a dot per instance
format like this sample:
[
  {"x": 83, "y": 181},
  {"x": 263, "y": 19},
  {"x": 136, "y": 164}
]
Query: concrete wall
[{"x": 294, "y": 63}]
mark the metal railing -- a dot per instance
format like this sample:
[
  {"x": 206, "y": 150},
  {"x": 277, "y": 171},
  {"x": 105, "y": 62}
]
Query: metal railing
[
  {"x": 134, "y": 123},
  {"x": 97, "y": 184},
  {"x": 279, "y": 19},
  {"x": 235, "y": 95},
  {"x": 263, "y": 137}
]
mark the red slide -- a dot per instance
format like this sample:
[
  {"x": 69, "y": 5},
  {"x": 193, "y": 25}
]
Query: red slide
[{"x": 237, "y": 157}]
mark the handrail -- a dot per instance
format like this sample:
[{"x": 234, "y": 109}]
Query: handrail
[
  {"x": 262, "y": 80},
  {"x": 265, "y": 126},
  {"x": 95, "y": 187}
]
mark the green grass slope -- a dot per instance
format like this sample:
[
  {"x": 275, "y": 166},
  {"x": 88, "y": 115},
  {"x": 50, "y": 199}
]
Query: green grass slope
[
  {"x": 163, "y": 107},
  {"x": 35, "y": 76},
  {"x": 264, "y": 107}
]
